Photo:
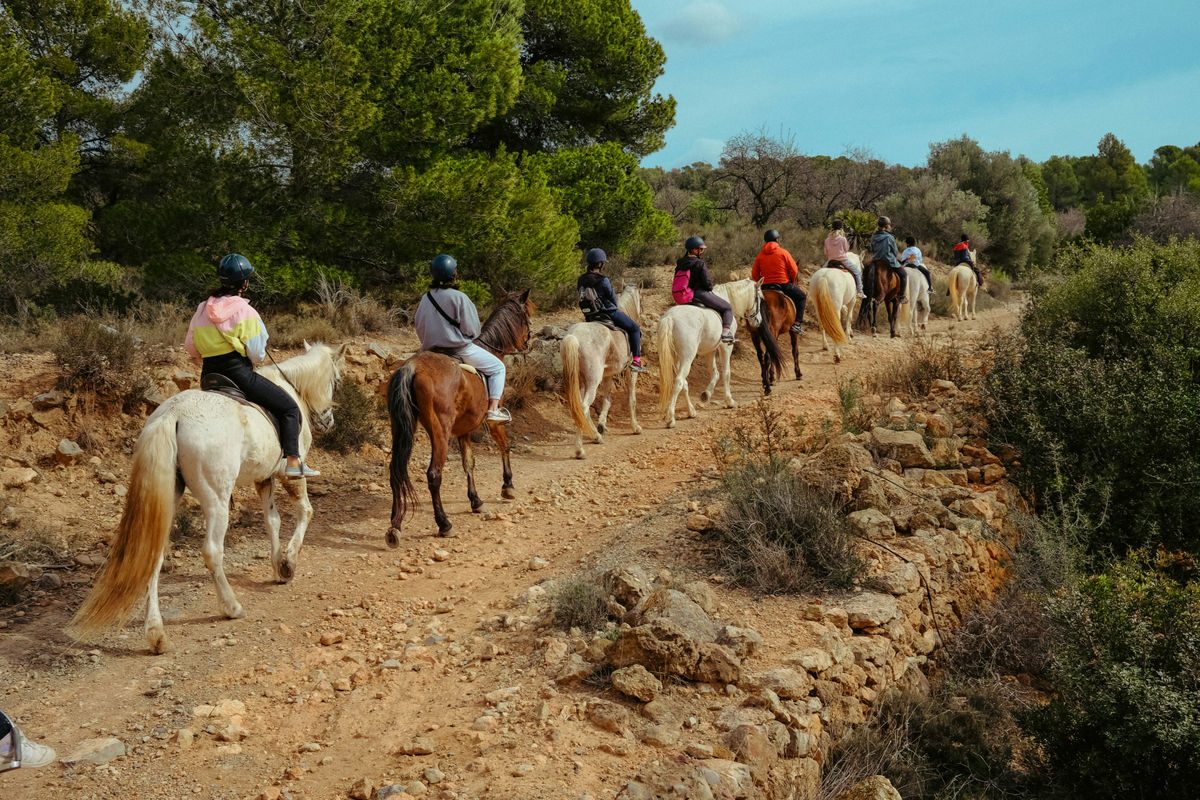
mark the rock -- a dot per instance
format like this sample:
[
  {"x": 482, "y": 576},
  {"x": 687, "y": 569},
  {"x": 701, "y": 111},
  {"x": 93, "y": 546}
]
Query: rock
[
  {"x": 331, "y": 638},
  {"x": 871, "y": 610},
  {"x": 96, "y": 751},
  {"x": 575, "y": 669},
  {"x": 698, "y": 522},
  {"x": 717, "y": 665},
  {"x": 873, "y": 788},
  {"x": 537, "y": 563},
  {"x": 872, "y": 523},
  {"x": 787, "y": 683},
  {"x": 379, "y": 351},
  {"x": 521, "y": 770},
  {"x": 899, "y": 579},
  {"x": 392, "y": 792},
  {"x": 362, "y": 789},
  {"x": 661, "y": 646},
  {"x": 993, "y": 473},
  {"x": 608, "y": 716},
  {"x": 838, "y": 468},
  {"x": 946, "y": 452},
  {"x": 814, "y": 659},
  {"x": 743, "y": 642},
  {"x": 433, "y": 775},
  {"x": 907, "y": 447},
  {"x": 751, "y": 746},
  {"x": 629, "y": 585},
  {"x": 943, "y": 387},
  {"x": 48, "y": 400},
  {"x": 14, "y": 577},
  {"x": 553, "y": 332},
  {"x": 731, "y": 717},
  {"x": 677, "y": 607},
  {"x": 731, "y": 776},
  {"x": 485, "y": 723},
  {"x": 939, "y": 425},
  {"x": 702, "y": 595},
  {"x": 183, "y": 380},
  {"x": 635, "y": 681},
  {"x": 18, "y": 477},
  {"x": 661, "y": 736},
  {"x": 68, "y": 452},
  {"x": 502, "y": 695},
  {"x": 420, "y": 746}
]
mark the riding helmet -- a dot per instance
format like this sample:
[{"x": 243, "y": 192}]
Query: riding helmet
[
  {"x": 596, "y": 256},
  {"x": 694, "y": 243},
  {"x": 883, "y": 222},
  {"x": 234, "y": 268},
  {"x": 443, "y": 267},
  {"x": 771, "y": 236}
]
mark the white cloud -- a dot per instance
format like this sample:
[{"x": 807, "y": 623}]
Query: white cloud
[
  {"x": 707, "y": 150},
  {"x": 703, "y": 21}
]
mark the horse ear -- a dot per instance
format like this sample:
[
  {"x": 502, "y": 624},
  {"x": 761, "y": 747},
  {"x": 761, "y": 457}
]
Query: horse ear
[
  {"x": 307, "y": 346},
  {"x": 759, "y": 282},
  {"x": 525, "y": 296}
]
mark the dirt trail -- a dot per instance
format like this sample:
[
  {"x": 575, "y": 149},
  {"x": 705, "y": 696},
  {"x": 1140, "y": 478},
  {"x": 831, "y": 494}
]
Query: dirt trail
[{"x": 416, "y": 636}]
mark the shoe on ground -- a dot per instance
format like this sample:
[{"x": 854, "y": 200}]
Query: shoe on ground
[
  {"x": 34, "y": 755},
  {"x": 499, "y": 415},
  {"x": 301, "y": 470},
  {"x": 637, "y": 366}
]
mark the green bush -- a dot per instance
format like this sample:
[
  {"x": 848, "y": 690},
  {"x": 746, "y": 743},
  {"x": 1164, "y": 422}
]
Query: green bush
[
  {"x": 1099, "y": 392},
  {"x": 779, "y": 534},
  {"x": 99, "y": 358},
  {"x": 357, "y": 417},
  {"x": 1124, "y": 719}
]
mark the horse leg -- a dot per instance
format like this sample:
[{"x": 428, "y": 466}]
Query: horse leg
[
  {"x": 156, "y": 637},
  {"x": 468, "y": 463},
  {"x": 439, "y": 439},
  {"x": 893, "y": 309},
  {"x": 215, "y": 502},
  {"x": 764, "y": 365},
  {"x": 707, "y": 394},
  {"x": 726, "y": 352},
  {"x": 266, "y": 496},
  {"x": 605, "y": 392},
  {"x": 796, "y": 353},
  {"x": 589, "y": 397},
  {"x": 500, "y": 437},
  {"x": 633, "y": 402}
]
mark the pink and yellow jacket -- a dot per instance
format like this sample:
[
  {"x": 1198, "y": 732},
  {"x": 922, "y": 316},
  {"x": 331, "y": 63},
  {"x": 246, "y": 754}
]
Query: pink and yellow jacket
[{"x": 226, "y": 325}]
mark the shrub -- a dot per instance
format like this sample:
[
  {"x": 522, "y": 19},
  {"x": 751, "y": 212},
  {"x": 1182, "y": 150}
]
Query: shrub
[
  {"x": 351, "y": 311},
  {"x": 925, "y": 361},
  {"x": 527, "y": 377},
  {"x": 579, "y": 603},
  {"x": 290, "y": 330},
  {"x": 779, "y": 534},
  {"x": 1124, "y": 719},
  {"x": 357, "y": 417},
  {"x": 99, "y": 358},
  {"x": 856, "y": 417}
]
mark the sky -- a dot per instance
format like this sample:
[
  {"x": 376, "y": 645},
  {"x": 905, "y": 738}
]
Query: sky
[{"x": 1033, "y": 77}]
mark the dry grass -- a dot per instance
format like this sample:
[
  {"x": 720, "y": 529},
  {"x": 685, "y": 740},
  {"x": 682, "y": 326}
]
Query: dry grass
[
  {"x": 96, "y": 357},
  {"x": 580, "y": 603},
  {"x": 358, "y": 417},
  {"x": 925, "y": 361},
  {"x": 352, "y": 312},
  {"x": 527, "y": 377},
  {"x": 291, "y": 330}
]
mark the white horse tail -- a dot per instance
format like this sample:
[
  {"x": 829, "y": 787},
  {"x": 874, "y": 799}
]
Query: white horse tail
[
  {"x": 955, "y": 292},
  {"x": 666, "y": 362},
  {"x": 569, "y": 350},
  {"x": 142, "y": 533},
  {"x": 827, "y": 313}
]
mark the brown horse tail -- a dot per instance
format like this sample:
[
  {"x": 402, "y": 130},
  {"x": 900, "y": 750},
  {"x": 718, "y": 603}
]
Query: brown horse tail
[
  {"x": 766, "y": 334},
  {"x": 666, "y": 361},
  {"x": 569, "y": 350},
  {"x": 955, "y": 292},
  {"x": 402, "y": 408},
  {"x": 827, "y": 314},
  {"x": 142, "y": 533}
]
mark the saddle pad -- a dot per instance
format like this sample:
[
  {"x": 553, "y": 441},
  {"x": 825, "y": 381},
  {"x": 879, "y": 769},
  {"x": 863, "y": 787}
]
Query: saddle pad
[{"x": 468, "y": 368}]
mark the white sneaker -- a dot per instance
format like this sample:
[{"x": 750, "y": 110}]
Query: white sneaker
[
  {"x": 26, "y": 753},
  {"x": 499, "y": 415},
  {"x": 301, "y": 470}
]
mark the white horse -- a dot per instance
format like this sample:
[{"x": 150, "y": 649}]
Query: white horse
[
  {"x": 834, "y": 294},
  {"x": 688, "y": 331},
  {"x": 592, "y": 356},
  {"x": 917, "y": 308},
  {"x": 207, "y": 442},
  {"x": 963, "y": 287}
]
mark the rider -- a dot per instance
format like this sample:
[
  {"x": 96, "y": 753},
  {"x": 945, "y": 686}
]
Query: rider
[
  {"x": 836, "y": 250},
  {"x": 778, "y": 270},
  {"x": 606, "y": 304},
  {"x": 911, "y": 257},
  {"x": 883, "y": 249},
  {"x": 229, "y": 336},
  {"x": 447, "y": 319},
  {"x": 962, "y": 255},
  {"x": 701, "y": 285},
  {"x": 17, "y": 751}
]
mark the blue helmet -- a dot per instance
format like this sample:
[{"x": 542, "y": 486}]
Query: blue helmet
[
  {"x": 693, "y": 243},
  {"x": 443, "y": 267},
  {"x": 234, "y": 268},
  {"x": 596, "y": 256}
]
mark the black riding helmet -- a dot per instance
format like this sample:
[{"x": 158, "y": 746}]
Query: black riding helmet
[
  {"x": 771, "y": 236},
  {"x": 234, "y": 268},
  {"x": 596, "y": 257},
  {"x": 694, "y": 243}
]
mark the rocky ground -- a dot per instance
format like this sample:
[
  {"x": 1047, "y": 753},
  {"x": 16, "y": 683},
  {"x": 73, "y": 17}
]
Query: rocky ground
[{"x": 435, "y": 669}]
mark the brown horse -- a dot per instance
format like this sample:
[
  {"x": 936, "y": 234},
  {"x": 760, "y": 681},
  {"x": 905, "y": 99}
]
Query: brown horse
[
  {"x": 449, "y": 401},
  {"x": 883, "y": 285},
  {"x": 778, "y": 315}
]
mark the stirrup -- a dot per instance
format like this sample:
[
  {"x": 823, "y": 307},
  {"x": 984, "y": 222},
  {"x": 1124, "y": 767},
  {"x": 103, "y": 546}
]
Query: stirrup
[
  {"x": 499, "y": 415},
  {"x": 727, "y": 337},
  {"x": 798, "y": 328},
  {"x": 299, "y": 471}
]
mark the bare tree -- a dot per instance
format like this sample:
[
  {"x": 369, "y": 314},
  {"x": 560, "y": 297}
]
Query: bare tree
[{"x": 762, "y": 174}]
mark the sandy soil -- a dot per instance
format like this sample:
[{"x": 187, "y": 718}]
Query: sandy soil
[{"x": 416, "y": 637}]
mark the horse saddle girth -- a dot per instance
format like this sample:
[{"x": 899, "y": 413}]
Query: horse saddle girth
[
  {"x": 218, "y": 383},
  {"x": 452, "y": 353}
]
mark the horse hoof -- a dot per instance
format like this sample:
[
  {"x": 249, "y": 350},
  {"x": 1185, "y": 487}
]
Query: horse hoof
[
  {"x": 477, "y": 509},
  {"x": 837, "y": 359},
  {"x": 392, "y": 538},
  {"x": 601, "y": 429},
  {"x": 448, "y": 532},
  {"x": 579, "y": 452},
  {"x": 704, "y": 397},
  {"x": 286, "y": 573},
  {"x": 637, "y": 429},
  {"x": 237, "y": 612},
  {"x": 766, "y": 391},
  {"x": 157, "y": 639},
  {"x": 508, "y": 493},
  {"x": 671, "y": 424}
]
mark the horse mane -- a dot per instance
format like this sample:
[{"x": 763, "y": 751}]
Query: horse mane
[
  {"x": 312, "y": 369},
  {"x": 732, "y": 291},
  {"x": 630, "y": 302},
  {"x": 501, "y": 331}
]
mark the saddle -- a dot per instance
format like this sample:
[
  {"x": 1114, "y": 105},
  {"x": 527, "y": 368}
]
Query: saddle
[
  {"x": 601, "y": 318},
  {"x": 701, "y": 305},
  {"x": 464, "y": 366},
  {"x": 834, "y": 264},
  {"x": 215, "y": 382}
]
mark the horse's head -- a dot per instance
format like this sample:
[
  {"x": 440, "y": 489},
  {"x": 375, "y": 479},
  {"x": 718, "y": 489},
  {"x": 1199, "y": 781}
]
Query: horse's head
[
  {"x": 316, "y": 376},
  {"x": 507, "y": 329}
]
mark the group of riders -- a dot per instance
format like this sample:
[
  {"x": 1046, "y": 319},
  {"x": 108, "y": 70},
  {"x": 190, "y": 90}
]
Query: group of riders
[{"x": 229, "y": 336}]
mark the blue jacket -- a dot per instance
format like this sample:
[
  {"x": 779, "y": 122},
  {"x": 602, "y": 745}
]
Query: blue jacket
[{"x": 883, "y": 246}]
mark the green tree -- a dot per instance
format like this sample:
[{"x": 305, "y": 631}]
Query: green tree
[
  {"x": 1062, "y": 185},
  {"x": 1112, "y": 174},
  {"x": 589, "y": 69},
  {"x": 934, "y": 210}
]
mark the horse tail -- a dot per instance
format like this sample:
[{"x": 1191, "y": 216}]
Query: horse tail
[
  {"x": 955, "y": 292},
  {"x": 770, "y": 344},
  {"x": 402, "y": 409},
  {"x": 827, "y": 313},
  {"x": 569, "y": 351},
  {"x": 909, "y": 289},
  {"x": 666, "y": 362},
  {"x": 142, "y": 533}
]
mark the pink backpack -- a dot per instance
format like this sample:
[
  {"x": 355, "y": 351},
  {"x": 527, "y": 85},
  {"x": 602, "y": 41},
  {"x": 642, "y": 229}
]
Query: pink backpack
[{"x": 679, "y": 287}]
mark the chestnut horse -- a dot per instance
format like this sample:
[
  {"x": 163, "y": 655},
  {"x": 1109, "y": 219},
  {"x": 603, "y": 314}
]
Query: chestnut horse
[
  {"x": 449, "y": 401},
  {"x": 778, "y": 315},
  {"x": 883, "y": 285}
]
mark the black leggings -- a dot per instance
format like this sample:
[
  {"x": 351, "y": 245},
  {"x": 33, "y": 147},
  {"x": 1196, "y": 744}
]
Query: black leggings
[
  {"x": 794, "y": 292},
  {"x": 259, "y": 390},
  {"x": 714, "y": 301}
]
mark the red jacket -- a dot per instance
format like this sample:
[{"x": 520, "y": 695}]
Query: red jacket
[{"x": 774, "y": 265}]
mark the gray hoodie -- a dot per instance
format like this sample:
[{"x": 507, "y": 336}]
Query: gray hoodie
[{"x": 435, "y": 331}]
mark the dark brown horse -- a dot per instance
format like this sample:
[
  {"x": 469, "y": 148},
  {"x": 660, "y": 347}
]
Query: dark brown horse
[
  {"x": 449, "y": 401},
  {"x": 778, "y": 315},
  {"x": 883, "y": 285}
]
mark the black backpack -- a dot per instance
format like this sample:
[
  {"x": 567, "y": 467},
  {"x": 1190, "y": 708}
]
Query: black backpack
[{"x": 589, "y": 300}]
